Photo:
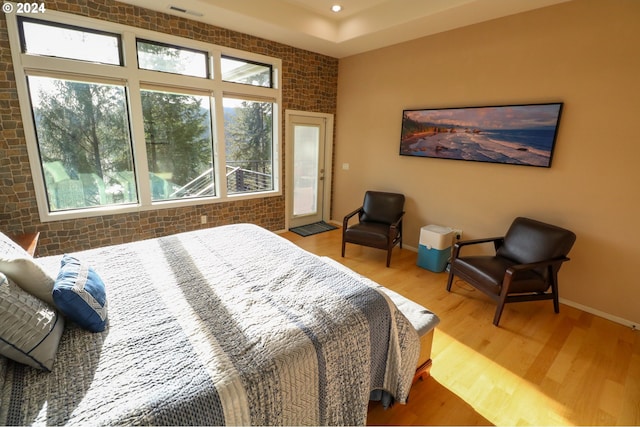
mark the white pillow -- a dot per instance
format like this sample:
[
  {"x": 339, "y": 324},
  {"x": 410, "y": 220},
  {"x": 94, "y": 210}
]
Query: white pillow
[
  {"x": 30, "y": 329},
  {"x": 29, "y": 276},
  {"x": 20, "y": 267}
]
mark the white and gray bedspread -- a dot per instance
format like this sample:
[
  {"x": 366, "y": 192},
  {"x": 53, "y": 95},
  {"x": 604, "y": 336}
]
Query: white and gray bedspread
[{"x": 231, "y": 325}]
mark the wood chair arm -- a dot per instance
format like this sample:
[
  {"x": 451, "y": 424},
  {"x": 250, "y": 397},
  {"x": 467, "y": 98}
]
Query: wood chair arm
[
  {"x": 348, "y": 216},
  {"x": 396, "y": 224},
  {"x": 497, "y": 242},
  {"x": 512, "y": 272}
]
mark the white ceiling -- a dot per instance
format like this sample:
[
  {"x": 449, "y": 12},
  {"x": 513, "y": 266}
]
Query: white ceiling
[{"x": 361, "y": 26}]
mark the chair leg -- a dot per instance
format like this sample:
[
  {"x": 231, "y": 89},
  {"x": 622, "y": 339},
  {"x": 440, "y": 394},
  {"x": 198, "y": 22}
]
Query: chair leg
[
  {"x": 502, "y": 301},
  {"x": 496, "y": 317},
  {"x": 389, "y": 255},
  {"x": 450, "y": 279},
  {"x": 343, "y": 245},
  {"x": 554, "y": 291}
]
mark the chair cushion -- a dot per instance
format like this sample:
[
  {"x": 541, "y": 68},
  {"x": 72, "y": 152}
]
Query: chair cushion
[
  {"x": 382, "y": 207},
  {"x": 528, "y": 240},
  {"x": 372, "y": 234},
  {"x": 489, "y": 272}
]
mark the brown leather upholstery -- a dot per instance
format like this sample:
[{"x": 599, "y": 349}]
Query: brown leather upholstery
[
  {"x": 379, "y": 222},
  {"x": 524, "y": 267}
]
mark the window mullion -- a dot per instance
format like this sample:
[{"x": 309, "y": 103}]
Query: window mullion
[
  {"x": 136, "y": 120},
  {"x": 69, "y": 67},
  {"x": 236, "y": 90},
  {"x": 196, "y": 85},
  {"x": 219, "y": 145},
  {"x": 139, "y": 144}
]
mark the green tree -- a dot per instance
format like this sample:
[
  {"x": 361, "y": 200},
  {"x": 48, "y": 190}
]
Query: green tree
[
  {"x": 178, "y": 135},
  {"x": 249, "y": 133},
  {"x": 84, "y": 126},
  {"x": 177, "y": 127}
]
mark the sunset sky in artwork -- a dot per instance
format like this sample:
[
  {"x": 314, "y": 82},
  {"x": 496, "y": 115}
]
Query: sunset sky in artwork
[{"x": 507, "y": 117}]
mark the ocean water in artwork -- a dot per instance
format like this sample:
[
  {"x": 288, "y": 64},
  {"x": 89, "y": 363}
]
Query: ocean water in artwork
[{"x": 464, "y": 138}]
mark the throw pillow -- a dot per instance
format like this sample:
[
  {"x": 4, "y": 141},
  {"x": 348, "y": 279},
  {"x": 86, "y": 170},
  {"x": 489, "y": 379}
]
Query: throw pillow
[
  {"x": 30, "y": 329},
  {"x": 80, "y": 294},
  {"x": 10, "y": 249},
  {"x": 28, "y": 274}
]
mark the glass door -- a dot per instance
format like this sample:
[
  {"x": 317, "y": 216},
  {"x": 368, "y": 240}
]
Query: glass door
[{"x": 307, "y": 179}]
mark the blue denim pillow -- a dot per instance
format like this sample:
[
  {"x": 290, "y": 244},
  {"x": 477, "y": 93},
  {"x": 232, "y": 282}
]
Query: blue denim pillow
[{"x": 80, "y": 294}]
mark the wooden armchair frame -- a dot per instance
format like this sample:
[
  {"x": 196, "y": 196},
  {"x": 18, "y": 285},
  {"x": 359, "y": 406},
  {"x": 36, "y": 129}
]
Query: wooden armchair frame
[
  {"x": 392, "y": 231},
  {"x": 510, "y": 289}
]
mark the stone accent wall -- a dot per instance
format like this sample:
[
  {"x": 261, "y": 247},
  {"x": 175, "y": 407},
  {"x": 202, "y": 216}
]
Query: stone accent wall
[{"x": 309, "y": 82}]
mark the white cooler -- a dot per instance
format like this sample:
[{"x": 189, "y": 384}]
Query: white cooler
[{"x": 434, "y": 249}]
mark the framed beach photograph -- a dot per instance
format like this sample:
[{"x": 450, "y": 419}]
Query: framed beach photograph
[{"x": 512, "y": 134}]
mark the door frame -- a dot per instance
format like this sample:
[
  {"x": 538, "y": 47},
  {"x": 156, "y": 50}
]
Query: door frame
[{"x": 328, "y": 162}]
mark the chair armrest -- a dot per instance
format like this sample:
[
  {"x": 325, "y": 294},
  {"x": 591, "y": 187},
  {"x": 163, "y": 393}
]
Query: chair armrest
[
  {"x": 348, "y": 216},
  {"x": 476, "y": 241},
  {"x": 397, "y": 222},
  {"x": 497, "y": 242},
  {"x": 513, "y": 271}
]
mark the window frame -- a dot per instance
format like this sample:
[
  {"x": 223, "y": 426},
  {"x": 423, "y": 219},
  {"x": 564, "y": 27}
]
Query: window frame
[
  {"x": 269, "y": 66},
  {"x": 23, "y": 41},
  {"x": 207, "y": 70},
  {"x": 239, "y": 98},
  {"x": 135, "y": 80}
]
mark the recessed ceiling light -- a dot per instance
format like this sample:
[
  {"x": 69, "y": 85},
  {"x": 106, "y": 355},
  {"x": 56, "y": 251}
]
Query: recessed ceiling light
[{"x": 336, "y": 8}]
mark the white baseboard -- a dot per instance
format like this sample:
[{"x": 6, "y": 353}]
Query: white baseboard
[
  {"x": 625, "y": 322},
  {"x": 629, "y": 323}
]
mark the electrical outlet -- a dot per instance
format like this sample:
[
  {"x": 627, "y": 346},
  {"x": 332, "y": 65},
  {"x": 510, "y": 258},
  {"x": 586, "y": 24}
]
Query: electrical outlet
[
  {"x": 203, "y": 219},
  {"x": 457, "y": 233}
]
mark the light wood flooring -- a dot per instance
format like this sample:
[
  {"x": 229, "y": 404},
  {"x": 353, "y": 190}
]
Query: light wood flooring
[{"x": 537, "y": 368}]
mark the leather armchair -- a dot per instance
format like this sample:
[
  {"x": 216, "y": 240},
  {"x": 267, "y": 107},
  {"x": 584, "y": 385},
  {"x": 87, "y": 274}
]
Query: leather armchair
[
  {"x": 524, "y": 268},
  {"x": 379, "y": 222}
]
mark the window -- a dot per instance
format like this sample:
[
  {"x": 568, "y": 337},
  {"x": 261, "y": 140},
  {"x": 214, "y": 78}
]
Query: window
[
  {"x": 109, "y": 132},
  {"x": 251, "y": 73},
  {"x": 171, "y": 59},
  {"x": 66, "y": 41},
  {"x": 84, "y": 143},
  {"x": 179, "y": 149},
  {"x": 248, "y": 131}
]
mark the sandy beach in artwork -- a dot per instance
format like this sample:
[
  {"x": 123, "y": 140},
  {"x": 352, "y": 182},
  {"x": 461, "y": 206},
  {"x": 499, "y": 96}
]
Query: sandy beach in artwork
[{"x": 472, "y": 145}]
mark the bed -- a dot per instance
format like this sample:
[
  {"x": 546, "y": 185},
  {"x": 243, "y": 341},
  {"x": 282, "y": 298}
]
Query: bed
[{"x": 232, "y": 325}]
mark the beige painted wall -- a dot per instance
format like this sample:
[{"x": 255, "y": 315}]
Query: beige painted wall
[{"x": 585, "y": 53}]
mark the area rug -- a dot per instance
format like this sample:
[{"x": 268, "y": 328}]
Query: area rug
[{"x": 311, "y": 229}]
